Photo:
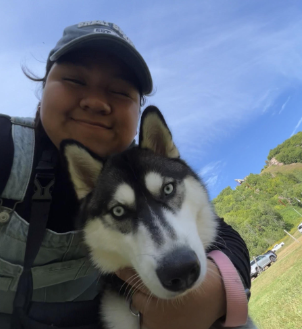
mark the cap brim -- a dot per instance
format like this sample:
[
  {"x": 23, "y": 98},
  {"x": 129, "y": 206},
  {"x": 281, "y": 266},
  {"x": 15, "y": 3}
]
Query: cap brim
[{"x": 119, "y": 48}]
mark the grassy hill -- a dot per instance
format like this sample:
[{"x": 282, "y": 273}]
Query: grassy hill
[
  {"x": 290, "y": 151},
  {"x": 276, "y": 301},
  {"x": 290, "y": 168},
  {"x": 267, "y": 203}
]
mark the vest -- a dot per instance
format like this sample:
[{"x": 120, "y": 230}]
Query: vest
[{"x": 62, "y": 271}]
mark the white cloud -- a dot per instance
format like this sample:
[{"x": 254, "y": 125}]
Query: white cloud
[
  {"x": 209, "y": 168},
  {"x": 296, "y": 127},
  {"x": 210, "y": 173},
  {"x": 211, "y": 181},
  {"x": 284, "y": 105},
  {"x": 214, "y": 70},
  {"x": 228, "y": 74}
]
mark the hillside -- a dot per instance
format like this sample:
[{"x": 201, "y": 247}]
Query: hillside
[
  {"x": 290, "y": 151},
  {"x": 283, "y": 169},
  {"x": 265, "y": 204}
]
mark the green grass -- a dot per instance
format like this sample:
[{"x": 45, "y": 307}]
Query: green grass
[
  {"x": 284, "y": 169},
  {"x": 290, "y": 216},
  {"x": 287, "y": 239},
  {"x": 276, "y": 301}
]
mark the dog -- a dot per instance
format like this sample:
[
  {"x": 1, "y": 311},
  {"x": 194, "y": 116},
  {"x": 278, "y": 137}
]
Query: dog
[{"x": 144, "y": 208}]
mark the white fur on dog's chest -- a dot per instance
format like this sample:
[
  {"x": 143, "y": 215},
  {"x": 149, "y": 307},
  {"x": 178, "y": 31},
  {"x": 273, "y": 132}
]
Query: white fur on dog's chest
[{"x": 116, "y": 313}]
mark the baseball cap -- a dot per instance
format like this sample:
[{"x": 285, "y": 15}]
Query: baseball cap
[{"x": 105, "y": 36}]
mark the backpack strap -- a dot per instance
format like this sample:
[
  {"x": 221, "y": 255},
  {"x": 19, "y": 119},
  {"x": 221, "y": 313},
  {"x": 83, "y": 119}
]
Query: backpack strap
[
  {"x": 6, "y": 150},
  {"x": 41, "y": 201},
  {"x": 23, "y": 136},
  {"x": 24, "y": 308}
]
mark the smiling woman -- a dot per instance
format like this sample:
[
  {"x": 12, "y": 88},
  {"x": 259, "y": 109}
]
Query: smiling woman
[{"x": 91, "y": 97}]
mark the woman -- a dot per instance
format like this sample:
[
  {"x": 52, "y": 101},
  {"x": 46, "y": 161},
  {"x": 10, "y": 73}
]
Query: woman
[{"x": 94, "y": 86}]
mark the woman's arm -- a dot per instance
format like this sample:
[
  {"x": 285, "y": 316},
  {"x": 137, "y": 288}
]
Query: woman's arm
[
  {"x": 231, "y": 244},
  {"x": 199, "y": 309},
  {"x": 230, "y": 254}
]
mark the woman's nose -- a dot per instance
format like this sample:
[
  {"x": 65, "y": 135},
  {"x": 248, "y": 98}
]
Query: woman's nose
[{"x": 95, "y": 103}]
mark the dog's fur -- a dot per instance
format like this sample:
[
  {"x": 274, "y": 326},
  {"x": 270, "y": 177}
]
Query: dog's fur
[{"x": 144, "y": 208}]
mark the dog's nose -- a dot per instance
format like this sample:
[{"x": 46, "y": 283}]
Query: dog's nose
[{"x": 179, "y": 270}]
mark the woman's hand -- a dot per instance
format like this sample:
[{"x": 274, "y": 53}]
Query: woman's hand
[{"x": 199, "y": 309}]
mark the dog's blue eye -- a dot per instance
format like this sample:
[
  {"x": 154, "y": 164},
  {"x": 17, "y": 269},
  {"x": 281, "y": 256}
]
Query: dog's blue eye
[
  {"x": 168, "y": 189},
  {"x": 118, "y": 211}
]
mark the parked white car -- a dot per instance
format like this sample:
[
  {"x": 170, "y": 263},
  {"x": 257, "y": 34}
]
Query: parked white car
[
  {"x": 300, "y": 227},
  {"x": 259, "y": 263},
  {"x": 278, "y": 246}
]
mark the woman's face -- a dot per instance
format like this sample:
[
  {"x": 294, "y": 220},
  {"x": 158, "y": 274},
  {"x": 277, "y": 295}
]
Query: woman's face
[{"x": 93, "y": 100}]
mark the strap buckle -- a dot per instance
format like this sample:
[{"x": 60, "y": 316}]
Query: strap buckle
[{"x": 43, "y": 186}]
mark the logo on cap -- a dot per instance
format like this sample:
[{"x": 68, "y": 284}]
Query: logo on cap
[
  {"x": 105, "y": 31},
  {"x": 111, "y": 26}
]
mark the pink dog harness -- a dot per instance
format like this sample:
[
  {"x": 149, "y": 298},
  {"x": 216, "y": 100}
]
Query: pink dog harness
[{"x": 236, "y": 299}]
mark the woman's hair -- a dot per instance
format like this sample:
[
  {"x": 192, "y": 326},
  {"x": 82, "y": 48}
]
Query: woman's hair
[
  {"x": 65, "y": 58},
  {"x": 30, "y": 75}
]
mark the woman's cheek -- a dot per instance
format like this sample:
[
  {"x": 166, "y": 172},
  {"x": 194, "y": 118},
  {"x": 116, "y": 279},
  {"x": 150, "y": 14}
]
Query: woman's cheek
[{"x": 57, "y": 97}]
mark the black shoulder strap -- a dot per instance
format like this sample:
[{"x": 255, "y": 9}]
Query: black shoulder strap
[
  {"x": 6, "y": 150},
  {"x": 40, "y": 206},
  {"x": 23, "y": 305}
]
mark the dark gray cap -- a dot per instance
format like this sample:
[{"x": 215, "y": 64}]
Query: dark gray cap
[{"x": 107, "y": 36}]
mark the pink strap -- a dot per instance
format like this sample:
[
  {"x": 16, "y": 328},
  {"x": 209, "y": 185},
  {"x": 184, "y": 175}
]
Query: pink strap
[{"x": 237, "y": 308}]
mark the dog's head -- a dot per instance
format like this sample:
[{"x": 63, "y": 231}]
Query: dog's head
[{"x": 144, "y": 208}]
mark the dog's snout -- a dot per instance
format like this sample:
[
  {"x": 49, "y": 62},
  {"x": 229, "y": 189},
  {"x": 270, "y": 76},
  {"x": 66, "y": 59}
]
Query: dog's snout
[{"x": 179, "y": 270}]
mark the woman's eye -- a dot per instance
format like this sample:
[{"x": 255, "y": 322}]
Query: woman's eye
[
  {"x": 168, "y": 189},
  {"x": 76, "y": 81},
  {"x": 120, "y": 93},
  {"x": 118, "y": 211}
]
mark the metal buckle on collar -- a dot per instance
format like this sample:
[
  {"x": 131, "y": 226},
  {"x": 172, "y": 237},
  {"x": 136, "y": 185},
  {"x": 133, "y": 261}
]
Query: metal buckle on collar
[
  {"x": 43, "y": 186},
  {"x": 248, "y": 293}
]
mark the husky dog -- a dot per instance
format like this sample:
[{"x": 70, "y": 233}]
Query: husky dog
[{"x": 144, "y": 208}]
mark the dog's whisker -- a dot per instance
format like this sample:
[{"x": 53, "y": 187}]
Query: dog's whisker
[
  {"x": 127, "y": 281},
  {"x": 222, "y": 244},
  {"x": 135, "y": 289},
  {"x": 131, "y": 279},
  {"x": 132, "y": 288},
  {"x": 157, "y": 301},
  {"x": 138, "y": 284},
  {"x": 178, "y": 301},
  {"x": 148, "y": 300},
  {"x": 213, "y": 273}
]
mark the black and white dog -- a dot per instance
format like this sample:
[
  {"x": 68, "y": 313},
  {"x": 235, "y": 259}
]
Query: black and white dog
[{"x": 144, "y": 208}]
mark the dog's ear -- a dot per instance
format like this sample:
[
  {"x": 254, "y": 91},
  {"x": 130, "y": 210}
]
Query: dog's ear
[
  {"x": 84, "y": 168},
  {"x": 155, "y": 135}
]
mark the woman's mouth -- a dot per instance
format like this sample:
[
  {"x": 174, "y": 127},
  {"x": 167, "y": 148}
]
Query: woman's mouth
[{"x": 92, "y": 124}]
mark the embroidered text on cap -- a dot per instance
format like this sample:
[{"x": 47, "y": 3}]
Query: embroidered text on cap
[{"x": 103, "y": 23}]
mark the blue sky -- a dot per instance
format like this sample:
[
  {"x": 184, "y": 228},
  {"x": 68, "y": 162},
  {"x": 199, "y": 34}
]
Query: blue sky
[{"x": 227, "y": 74}]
